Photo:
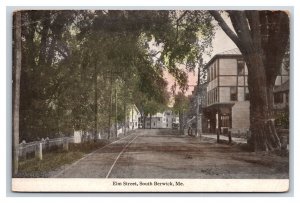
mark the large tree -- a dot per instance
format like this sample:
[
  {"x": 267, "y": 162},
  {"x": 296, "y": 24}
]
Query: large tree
[
  {"x": 181, "y": 106},
  {"x": 263, "y": 39}
]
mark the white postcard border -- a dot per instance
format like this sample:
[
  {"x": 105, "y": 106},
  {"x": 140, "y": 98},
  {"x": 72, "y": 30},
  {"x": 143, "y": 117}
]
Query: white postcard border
[{"x": 148, "y": 185}]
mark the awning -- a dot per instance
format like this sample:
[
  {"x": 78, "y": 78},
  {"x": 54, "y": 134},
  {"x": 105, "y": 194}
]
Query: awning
[{"x": 217, "y": 106}]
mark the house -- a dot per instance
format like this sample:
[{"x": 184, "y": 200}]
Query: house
[
  {"x": 170, "y": 118},
  {"x": 161, "y": 120},
  {"x": 227, "y": 94},
  {"x": 157, "y": 120},
  {"x": 133, "y": 117}
]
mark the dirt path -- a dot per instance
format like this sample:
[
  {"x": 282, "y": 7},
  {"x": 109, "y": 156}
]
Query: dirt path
[{"x": 163, "y": 154}]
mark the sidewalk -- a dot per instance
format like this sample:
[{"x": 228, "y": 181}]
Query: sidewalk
[{"x": 222, "y": 137}]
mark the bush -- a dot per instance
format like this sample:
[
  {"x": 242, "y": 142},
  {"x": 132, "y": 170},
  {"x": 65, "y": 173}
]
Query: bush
[{"x": 282, "y": 120}]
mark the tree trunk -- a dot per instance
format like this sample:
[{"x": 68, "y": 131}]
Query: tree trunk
[
  {"x": 95, "y": 102},
  {"x": 110, "y": 106},
  {"x": 181, "y": 129},
  {"x": 132, "y": 119},
  {"x": 16, "y": 85},
  {"x": 44, "y": 35},
  {"x": 125, "y": 118},
  {"x": 263, "y": 133}
]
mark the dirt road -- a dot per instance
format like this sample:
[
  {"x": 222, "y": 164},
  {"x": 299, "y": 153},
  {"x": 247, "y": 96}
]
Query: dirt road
[{"x": 158, "y": 153}]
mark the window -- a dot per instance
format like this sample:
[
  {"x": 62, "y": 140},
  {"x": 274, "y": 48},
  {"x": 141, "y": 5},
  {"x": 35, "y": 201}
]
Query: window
[
  {"x": 241, "y": 67},
  {"x": 215, "y": 70},
  {"x": 208, "y": 98},
  {"x": 247, "y": 94},
  {"x": 233, "y": 93},
  {"x": 225, "y": 121},
  {"x": 208, "y": 75},
  {"x": 278, "y": 98}
]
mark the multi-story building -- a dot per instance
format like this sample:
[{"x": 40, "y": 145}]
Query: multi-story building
[
  {"x": 227, "y": 99},
  {"x": 227, "y": 95},
  {"x": 155, "y": 121},
  {"x": 161, "y": 120}
]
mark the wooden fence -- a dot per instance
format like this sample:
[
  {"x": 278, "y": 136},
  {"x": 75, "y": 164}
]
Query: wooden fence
[{"x": 37, "y": 147}]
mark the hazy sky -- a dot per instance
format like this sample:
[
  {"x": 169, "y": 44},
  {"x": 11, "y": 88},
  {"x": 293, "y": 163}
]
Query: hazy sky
[{"x": 220, "y": 43}]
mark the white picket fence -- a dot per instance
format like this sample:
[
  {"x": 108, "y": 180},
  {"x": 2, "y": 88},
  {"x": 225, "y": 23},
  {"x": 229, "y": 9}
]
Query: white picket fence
[{"x": 38, "y": 147}]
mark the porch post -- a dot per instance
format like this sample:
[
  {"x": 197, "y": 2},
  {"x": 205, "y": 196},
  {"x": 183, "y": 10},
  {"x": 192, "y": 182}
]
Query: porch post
[{"x": 217, "y": 125}]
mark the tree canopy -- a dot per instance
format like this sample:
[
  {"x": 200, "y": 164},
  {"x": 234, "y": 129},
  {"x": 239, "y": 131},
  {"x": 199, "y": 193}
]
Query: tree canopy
[{"x": 82, "y": 69}]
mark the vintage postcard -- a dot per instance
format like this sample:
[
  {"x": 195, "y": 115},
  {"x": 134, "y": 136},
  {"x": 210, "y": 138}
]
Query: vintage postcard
[{"x": 151, "y": 100}]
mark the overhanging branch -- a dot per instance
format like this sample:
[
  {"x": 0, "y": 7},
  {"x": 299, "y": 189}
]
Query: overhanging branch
[{"x": 217, "y": 16}]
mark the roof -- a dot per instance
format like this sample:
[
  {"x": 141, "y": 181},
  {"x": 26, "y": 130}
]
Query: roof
[
  {"x": 232, "y": 53},
  {"x": 284, "y": 87},
  {"x": 136, "y": 108}
]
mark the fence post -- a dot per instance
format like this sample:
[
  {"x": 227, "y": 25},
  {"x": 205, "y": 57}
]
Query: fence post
[
  {"x": 229, "y": 137},
  {"x": 218, "y": 135},
  {"x": 66, "y": 144},
  {"x": 47, "y": 144},
  {"x": 39, "y": 151},
  {"x": 21, "y": 149}
]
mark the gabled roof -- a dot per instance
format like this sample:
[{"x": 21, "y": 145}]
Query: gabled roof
[
  {"x": 232, "y": 53},
  {"x": 136, "y": 108}
]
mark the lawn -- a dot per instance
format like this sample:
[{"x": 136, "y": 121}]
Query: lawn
[{"x": 54, "y": 160}]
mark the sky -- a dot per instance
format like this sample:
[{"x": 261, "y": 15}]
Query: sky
[{"x": 220, "y": 43}]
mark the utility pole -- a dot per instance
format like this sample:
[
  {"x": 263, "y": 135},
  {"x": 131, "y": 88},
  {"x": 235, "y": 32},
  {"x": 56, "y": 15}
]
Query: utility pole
[
  {"x": 198, "y": 97},
  {"x": 95, "y": 102},
  {"x": 16, "y": 93}
]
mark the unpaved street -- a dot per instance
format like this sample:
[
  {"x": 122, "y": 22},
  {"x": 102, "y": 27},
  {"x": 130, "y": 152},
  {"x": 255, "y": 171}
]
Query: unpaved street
[{"x": 161, "y": 153}]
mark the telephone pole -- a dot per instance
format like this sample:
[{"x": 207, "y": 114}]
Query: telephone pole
[{"x": 199, "y": 104}]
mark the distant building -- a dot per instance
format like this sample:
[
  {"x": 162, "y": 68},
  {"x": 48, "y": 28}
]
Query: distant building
[
  {"x": 161, "y": 120},
  {"x": 133, "y": 117}
]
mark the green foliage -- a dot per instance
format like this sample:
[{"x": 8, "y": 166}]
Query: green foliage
[
  {"x": 282, "y": 120},
  {"x": 181, "y": 104},
  {"x": 77, "y": 66}
]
